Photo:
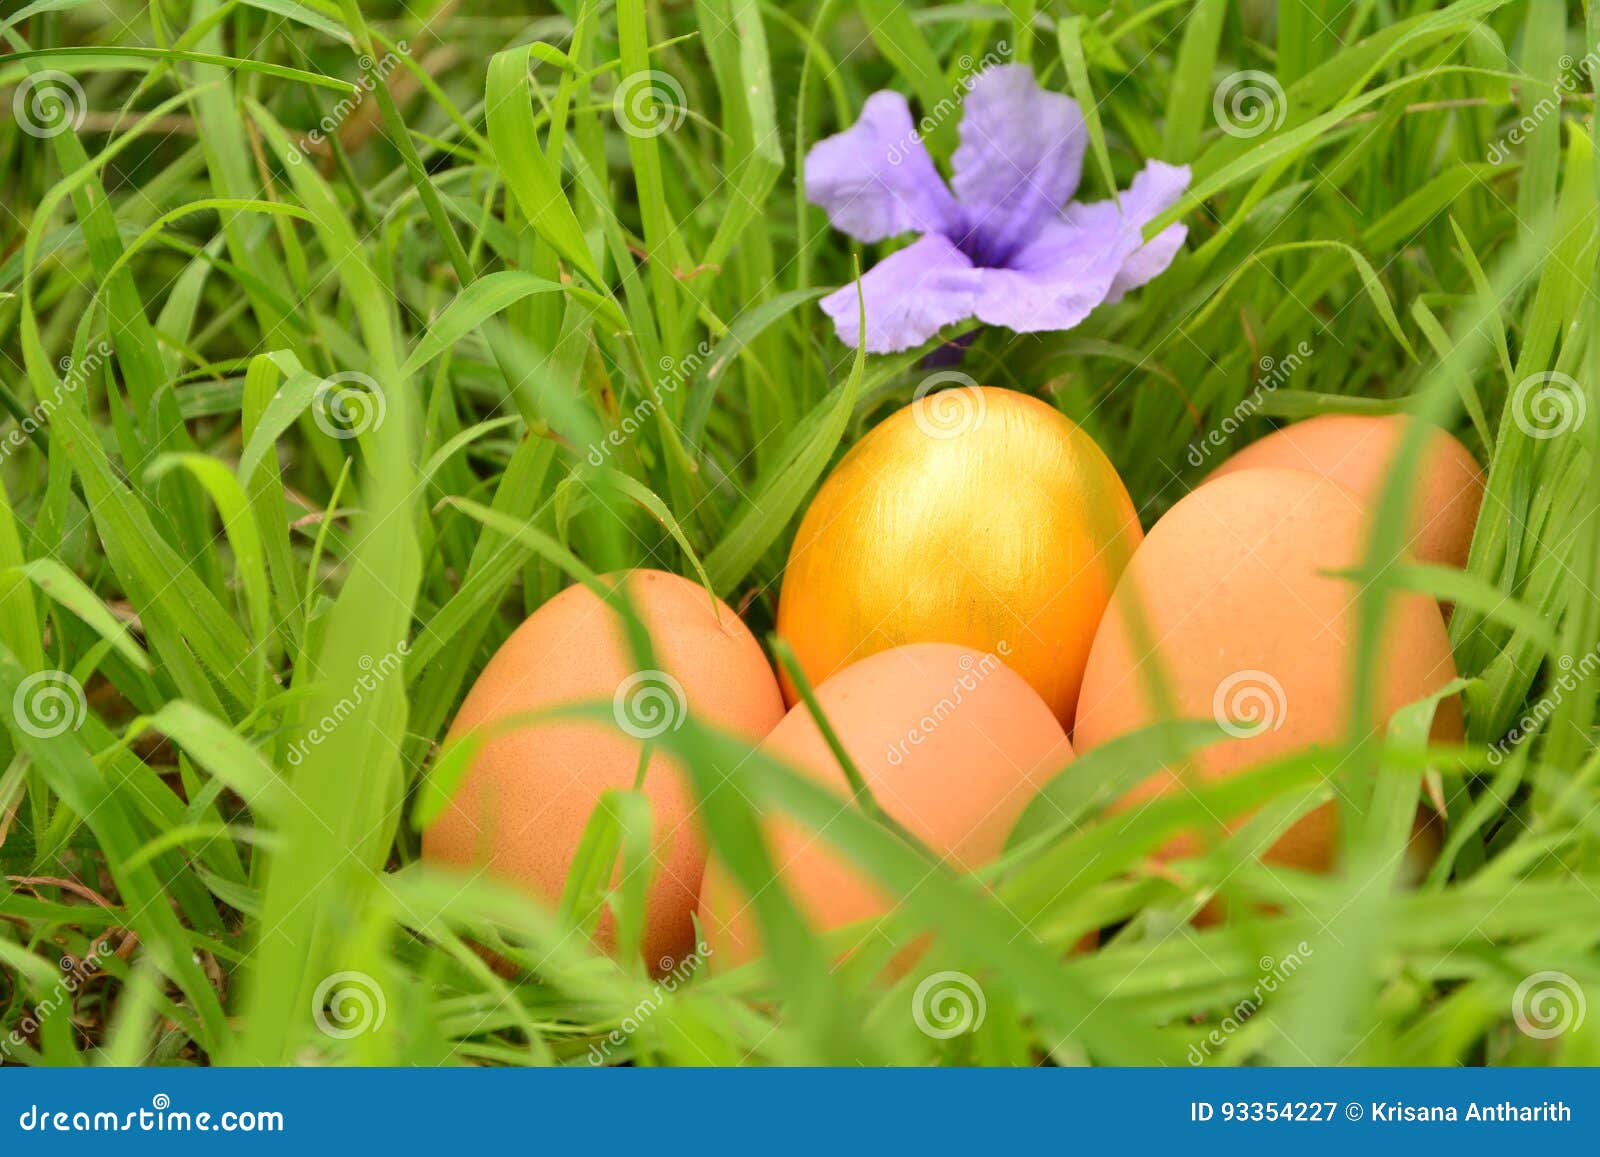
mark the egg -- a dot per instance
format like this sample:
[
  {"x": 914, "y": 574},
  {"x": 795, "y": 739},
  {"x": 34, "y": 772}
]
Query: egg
[
  {"x": 975, "y": 516},
  {"x": 1247, "y": 629},
  {"x": 1358, "y": 452},
  {"x": 952, "y": 744},
  {"x": 521, "y": 806}
]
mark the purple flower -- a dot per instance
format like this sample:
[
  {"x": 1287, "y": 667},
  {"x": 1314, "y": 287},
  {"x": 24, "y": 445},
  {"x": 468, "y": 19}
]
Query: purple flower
[{"x": 1005, "y": 246}]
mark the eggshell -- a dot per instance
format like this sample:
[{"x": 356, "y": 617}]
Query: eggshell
[
  {"x": 974, "y": 516},
  {"x": 523, "y": 804},
  {"x": 1358, "y": 452},
  {"x": 1248, "y": 630},
  {"x": 952, "y": 743}
]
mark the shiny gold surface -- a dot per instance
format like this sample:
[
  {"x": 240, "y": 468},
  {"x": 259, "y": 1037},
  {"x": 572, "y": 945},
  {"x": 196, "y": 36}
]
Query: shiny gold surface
[{"x": 976, "y": 516}]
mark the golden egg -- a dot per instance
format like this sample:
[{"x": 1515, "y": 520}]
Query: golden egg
[
  {"x": 1359, "y": 453},
  {"x": 952, "y": 745},
  {"x": 975, "y": 516},
  {"x": 1249, "y": 629},
  {"x": 521, "y": 807}
]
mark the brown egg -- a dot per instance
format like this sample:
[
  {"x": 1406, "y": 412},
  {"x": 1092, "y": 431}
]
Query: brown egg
[
  {"x": 1357, "y": 451},
  {"x": 976, "y": 516},
  {"x": 523, "y": 804},
  {"x": 1247, "y": 630},
  {"x": 952, "y": 743}
]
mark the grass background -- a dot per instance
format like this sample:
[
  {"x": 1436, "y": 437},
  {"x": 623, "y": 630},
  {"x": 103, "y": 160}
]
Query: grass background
[{"x": 514, "y": 278}]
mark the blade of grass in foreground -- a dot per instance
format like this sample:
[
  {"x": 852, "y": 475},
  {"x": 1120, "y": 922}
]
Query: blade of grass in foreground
[{"x": 348, "y": 786}]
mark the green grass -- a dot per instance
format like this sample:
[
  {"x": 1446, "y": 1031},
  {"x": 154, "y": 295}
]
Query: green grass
[{"x": 514, "y": 278}]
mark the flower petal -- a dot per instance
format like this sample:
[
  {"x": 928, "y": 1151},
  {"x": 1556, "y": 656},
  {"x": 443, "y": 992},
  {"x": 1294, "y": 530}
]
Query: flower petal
[
  {"x": 909, "y": 296},
  {"x": 875, "y": 179},
  {"x": 1155, "y": 190},
  {"x": 1058, "y": 279},
  {"x": 1091, "y": 254},
  {"x": 1019, "y": 160},
  {"x": 1041, "y": 301},
  {"x": 1148, "y": 262}
]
